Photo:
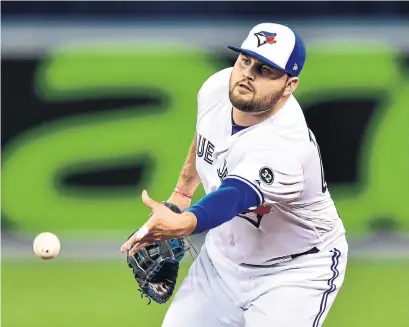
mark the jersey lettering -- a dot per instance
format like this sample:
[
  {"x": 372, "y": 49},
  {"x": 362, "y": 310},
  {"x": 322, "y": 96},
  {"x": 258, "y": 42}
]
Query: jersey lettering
[
  {"x": 205, "y": 148},
  {"x": 222, "y": 173},
  {"x": 209, "y": 153}
]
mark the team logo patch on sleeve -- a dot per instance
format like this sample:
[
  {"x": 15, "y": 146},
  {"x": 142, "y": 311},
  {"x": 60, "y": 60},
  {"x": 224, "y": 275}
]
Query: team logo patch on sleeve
[{"x": 266, "y": 175}]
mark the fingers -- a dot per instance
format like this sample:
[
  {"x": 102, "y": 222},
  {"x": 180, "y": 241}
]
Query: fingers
[
  {"x": 148, "y": 201},
  {"x": 137, "y": 247},
  {"x": 142, "y": 232},
  {"x": 136, "y": 237},
  {"x": 127, "y": 245},
  {"x": 140, "y": 237}
]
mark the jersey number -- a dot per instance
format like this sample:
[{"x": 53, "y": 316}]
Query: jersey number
[{"x": 323, "y": 182}]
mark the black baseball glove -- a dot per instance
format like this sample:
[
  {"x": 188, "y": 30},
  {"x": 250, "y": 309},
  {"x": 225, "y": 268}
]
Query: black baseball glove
[{"x": 155, "y": 267}]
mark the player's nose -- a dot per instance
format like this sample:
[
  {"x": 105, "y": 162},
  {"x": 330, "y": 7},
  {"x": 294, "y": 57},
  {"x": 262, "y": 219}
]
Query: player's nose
[{"x": 248, "y": 74}]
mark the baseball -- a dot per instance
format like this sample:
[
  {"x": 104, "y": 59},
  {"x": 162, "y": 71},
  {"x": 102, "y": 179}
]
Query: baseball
[{"x": 46, "y": 245}]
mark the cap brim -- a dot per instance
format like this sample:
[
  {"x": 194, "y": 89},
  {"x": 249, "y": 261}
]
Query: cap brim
[{"x": 257, "y": 56}]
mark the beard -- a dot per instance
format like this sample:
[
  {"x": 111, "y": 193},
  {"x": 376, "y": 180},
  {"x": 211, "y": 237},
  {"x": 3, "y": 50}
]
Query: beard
[{"x": 253, "y": 104}]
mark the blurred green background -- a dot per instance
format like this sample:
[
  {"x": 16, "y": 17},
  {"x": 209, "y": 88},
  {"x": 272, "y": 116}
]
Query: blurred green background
[
  {"x": 99, "y": 103},
  {"x": 101, "y": 293}
]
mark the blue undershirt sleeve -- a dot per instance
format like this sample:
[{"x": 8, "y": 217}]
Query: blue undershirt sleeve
[{"x": 233, "y": 197}]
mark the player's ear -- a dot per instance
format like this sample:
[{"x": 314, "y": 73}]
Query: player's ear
[{"x": 291, "y": 86}]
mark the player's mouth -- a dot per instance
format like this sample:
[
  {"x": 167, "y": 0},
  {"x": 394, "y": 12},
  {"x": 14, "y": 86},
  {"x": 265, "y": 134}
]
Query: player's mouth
[{"x": 245, "y": 86}]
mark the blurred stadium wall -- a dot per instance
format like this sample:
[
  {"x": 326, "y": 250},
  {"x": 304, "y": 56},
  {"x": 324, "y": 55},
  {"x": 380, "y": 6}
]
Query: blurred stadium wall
[{"x": 99, "y": 101}]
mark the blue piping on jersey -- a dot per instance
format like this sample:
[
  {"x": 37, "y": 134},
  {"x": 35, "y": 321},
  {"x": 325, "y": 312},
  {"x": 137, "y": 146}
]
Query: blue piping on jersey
[{"x": 331, "y": 284}]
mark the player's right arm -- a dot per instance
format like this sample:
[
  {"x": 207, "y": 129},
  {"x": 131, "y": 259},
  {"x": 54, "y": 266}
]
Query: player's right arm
[{"x": 188, "y": 180}]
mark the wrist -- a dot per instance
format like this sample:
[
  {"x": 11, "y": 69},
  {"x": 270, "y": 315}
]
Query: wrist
[
  {"x": 182, "y": 192},
  {"x": 182, "y": 202}
]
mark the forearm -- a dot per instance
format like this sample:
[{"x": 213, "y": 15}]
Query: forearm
[{"x": 189, "y": 179}]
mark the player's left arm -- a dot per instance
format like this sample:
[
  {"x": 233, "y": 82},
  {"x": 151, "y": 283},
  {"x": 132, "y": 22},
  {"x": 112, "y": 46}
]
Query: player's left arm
[
  {"x": 264, "y": 175},
  {"x": 230, "y": 199}
]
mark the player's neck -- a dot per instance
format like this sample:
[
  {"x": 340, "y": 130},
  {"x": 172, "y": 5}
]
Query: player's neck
[{"x": 242, "y": 118}]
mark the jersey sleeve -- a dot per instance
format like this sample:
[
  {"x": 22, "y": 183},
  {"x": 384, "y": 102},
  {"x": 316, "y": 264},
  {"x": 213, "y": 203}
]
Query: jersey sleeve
[{"x": 276, "y": 174}]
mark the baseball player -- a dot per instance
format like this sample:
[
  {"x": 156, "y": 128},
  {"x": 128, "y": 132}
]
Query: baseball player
[{"x": 275, "y": 251}]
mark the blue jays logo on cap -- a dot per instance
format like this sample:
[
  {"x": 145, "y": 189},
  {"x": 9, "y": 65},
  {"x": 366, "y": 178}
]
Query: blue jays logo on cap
[
  {"x": 265, "y": 37},
  {"x": 278, "y": 46}
]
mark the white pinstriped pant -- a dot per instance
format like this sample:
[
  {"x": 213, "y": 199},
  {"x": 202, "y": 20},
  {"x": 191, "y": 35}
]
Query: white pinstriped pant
[{"x": 298, "y": 293}]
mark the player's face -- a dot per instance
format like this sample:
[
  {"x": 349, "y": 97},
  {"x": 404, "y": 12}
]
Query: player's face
[{"x": 256, "y": 87}]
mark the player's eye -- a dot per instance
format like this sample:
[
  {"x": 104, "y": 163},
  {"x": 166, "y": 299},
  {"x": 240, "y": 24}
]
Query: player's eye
[
  {"x": 246, "y": 61},
  {"x": 266, "y": 70}
]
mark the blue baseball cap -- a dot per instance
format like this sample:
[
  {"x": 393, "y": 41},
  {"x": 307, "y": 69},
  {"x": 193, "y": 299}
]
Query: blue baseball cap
[{"x": 276, "y": 45}]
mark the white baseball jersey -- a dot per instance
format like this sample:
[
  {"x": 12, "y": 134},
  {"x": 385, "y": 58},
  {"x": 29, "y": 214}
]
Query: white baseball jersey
[{"x": 280, "y": 159}]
